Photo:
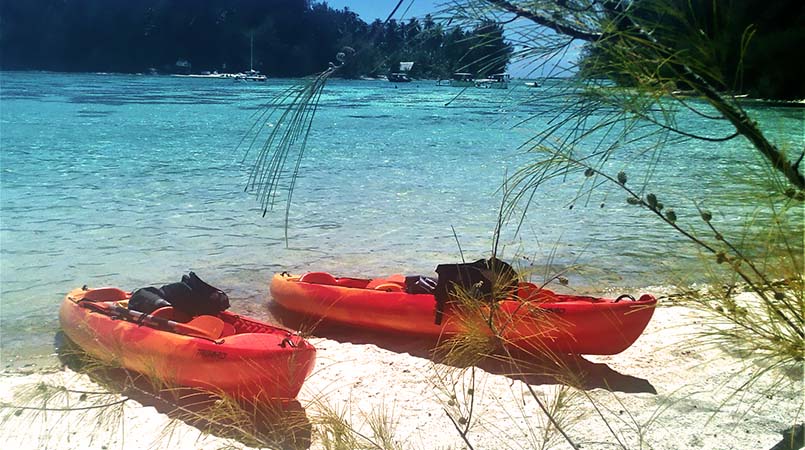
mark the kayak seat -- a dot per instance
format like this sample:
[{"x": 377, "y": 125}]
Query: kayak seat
[
  {"x": 318, "y": 278},
  {"x": 228, "y": 330},
  {"x": 105, "y": 295},
  {"x": 389, "y": 287},
  {"x": 530, "y": 292},
  {"x": 393, "y": 283},
  {"x": 354, "y": 283},
  {"x": 166, "y": 312},
  {"x": 172, "y": 314}
]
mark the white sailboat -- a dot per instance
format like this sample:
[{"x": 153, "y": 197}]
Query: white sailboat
[{"x": 251, "y": 75}]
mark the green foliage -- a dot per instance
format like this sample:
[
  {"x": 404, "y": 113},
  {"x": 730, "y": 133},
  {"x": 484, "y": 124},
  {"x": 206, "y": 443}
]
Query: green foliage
[
  {"x": 736, "y": 45},
  {"x": 291, "y": 38}
]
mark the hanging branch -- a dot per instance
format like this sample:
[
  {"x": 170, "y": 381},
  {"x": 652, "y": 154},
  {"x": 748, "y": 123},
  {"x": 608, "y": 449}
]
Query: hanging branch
[
  {"x": 287, "y": 139},
  {"x": 555, "y": 25},
  {"x": 286, "y": 143}
]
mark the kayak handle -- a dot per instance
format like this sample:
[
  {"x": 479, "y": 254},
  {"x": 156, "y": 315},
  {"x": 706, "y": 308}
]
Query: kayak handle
[
  {"x": 623, "y": 296},
  {"x": 287, "y": 341}
]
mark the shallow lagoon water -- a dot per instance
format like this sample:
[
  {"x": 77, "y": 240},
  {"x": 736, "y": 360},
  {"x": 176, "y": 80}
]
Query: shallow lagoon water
[{"x": 129, "y": 181}]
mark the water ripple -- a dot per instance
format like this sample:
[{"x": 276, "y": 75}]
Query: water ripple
[{"x": 133, "y": 181}]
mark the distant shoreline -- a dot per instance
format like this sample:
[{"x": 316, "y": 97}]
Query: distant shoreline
[
  {"x": 199, "y": 75},
  {"x": 799, "y": 103}
]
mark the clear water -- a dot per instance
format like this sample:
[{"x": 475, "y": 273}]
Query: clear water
[{"x": 134, "y": 180}]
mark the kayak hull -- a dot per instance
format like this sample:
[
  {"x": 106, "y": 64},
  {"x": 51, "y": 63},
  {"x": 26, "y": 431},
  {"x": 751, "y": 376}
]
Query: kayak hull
[
  {"x": 253, "y": 361},
  {"x": 536, "y": 320}
]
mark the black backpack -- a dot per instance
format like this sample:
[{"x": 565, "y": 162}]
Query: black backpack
[
  {"x": 192, "y": 296},
  {"x": 480, "y": 278}
]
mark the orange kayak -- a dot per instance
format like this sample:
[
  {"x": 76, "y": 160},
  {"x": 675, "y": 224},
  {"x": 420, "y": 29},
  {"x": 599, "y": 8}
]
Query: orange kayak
[
  {"x": 534, "y": 320},
  {"x": 240, "y": 357}
]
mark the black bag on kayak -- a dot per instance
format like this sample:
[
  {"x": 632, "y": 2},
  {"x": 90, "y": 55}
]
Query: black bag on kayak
[
  {"x": 147, "y": 300},
  {"x": 480, "y": 278},
  {"x": 418, "y": 284},
  {"x": 191, "y": 296},
  {"x": 203, "y": 299}
]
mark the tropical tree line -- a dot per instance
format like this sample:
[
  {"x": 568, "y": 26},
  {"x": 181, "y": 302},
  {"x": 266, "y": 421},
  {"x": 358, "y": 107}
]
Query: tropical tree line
[{"x": 283, "y": 38}]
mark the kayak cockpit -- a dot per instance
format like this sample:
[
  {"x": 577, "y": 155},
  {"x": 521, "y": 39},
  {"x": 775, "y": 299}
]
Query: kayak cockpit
[{"x": 526, "y": 291}]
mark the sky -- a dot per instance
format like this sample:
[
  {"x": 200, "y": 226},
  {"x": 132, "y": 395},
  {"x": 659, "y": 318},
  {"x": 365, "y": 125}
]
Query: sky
[{"x": 369, "y": 10}]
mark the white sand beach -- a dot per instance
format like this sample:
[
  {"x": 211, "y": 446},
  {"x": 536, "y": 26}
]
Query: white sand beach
[{"x": 665, "y": 392}]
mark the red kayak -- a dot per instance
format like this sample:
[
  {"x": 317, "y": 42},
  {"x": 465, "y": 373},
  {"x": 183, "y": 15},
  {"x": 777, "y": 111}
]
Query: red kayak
[
  {"x": 534, "y": 319},
  {"x": 226, "y": 354}
]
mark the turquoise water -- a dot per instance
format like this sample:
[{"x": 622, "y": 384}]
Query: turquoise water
[{"x": 133, "y": 180}]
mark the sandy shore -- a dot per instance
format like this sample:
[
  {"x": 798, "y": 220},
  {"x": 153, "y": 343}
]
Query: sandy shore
[{"x": 665, "y": 392}]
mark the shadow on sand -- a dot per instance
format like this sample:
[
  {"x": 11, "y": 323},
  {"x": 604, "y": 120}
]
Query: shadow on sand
[
  {"x": 528, "y": 368},
  {"x": 281, "y": 425}
]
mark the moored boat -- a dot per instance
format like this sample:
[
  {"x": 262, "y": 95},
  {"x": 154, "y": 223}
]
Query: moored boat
[
  {"x": 533, "y": 319},
  {"x": 251, "y": 74},
  {"x": 462, "y": 79},
  {"x": 226, "y": 354},
  {"x": 401, "y": 76},
  {"x": 398, "y": 77},
  {"x": 496, "y": 81}
]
